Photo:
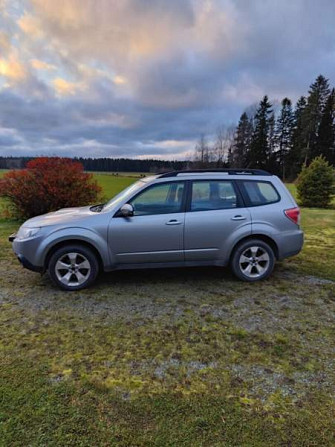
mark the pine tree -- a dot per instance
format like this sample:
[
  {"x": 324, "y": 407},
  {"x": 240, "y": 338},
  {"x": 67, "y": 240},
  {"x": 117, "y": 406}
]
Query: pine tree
[
  {"x": 272, "y": 165},
  {"x": 242, "y": 142},
  {"x": 259, "y": 147},
  {"x": 284, "y": 132},
  {"x": 325, "y": 144},
  {"x": 272, "y": 134},
  {"x": 316, "y": 101},
  {"x": 295, "y": 157}
]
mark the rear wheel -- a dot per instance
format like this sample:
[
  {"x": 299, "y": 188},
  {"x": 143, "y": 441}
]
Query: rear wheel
[
  {"x": 252, "y": 260},
  {"x": 73, "y": 267}
]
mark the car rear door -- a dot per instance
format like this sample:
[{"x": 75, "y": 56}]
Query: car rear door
[{"x": 214, "y": 221}]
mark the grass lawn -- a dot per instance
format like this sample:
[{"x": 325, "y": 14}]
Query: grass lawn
[
  {"x": 112, "y": 184},
  {"x": 187, "y": 357},
  {"x": 2, "y": 201}
]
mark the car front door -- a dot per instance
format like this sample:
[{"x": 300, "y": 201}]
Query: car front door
[
  {"x": 215, "y": 219},
  {"x": 154, "y": 234}
]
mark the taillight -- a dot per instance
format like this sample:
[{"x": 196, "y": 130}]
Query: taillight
[{"x": 293, "y": 214}]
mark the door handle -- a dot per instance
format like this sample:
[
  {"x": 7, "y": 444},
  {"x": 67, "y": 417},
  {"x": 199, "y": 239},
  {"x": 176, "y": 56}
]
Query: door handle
[
  {"x": 173, "y": 222},
  {"x": 239, "y": 217}
]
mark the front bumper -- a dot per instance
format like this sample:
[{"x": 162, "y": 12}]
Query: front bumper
[
  {"x": 28, "y": 265},
  {"x": 22, "y": 258}
]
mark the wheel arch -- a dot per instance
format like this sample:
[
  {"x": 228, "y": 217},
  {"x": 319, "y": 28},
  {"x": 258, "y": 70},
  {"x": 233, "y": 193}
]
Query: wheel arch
[
  {"x": 74, "y": 241},
  {"x": 262, "y": 237}
]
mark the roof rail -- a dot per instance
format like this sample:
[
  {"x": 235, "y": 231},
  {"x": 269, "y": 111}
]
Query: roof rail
[{"x": 227, "y": 171}]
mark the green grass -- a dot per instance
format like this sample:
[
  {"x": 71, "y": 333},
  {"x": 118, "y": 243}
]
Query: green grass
[
  {"x": 3, "y": 202},
  {"x": 319, "y": 250},
  {"x": 112, "y": 185},
  {"x": 187, "y": 357},
  {"x": 318, "y": 255}
]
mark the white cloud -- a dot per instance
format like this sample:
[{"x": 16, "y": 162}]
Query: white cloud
[
  {"x": 41, "y": 65},
  {"x": 65, "y": 88},
  {"x": 12, "y": 69},
  {"x": 31, "y": 25}
]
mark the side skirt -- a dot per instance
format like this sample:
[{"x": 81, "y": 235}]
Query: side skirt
[{"x": 163, "y": 265}]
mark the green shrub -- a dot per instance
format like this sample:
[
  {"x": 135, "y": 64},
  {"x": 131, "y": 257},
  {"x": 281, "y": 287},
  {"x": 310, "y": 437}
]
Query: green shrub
[{"x": 315, "y": 184}]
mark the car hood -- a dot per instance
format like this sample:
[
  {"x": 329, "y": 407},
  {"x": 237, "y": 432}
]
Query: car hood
[{"x": 65, "y": 215}]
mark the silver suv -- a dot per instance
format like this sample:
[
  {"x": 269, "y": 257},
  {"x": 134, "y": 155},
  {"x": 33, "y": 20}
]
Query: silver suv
[{"x": 243, "y": 218}]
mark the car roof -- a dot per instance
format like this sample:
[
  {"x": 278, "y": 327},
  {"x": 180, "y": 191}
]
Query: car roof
[{"x": 212, "y": 173}]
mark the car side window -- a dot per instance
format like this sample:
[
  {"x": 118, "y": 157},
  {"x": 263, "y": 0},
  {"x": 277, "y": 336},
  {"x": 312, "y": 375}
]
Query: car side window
[
  {"x": 259, "y": 193},
  {"x": 213, "y": 195},
  {"x": 162, "y": 198}
]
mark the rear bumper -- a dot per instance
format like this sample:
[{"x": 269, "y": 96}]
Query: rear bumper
[{"x": 290, "y": 244}]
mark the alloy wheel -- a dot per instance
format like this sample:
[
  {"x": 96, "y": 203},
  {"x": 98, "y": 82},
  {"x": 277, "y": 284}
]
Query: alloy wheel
[
  {"x": 72, "y": 269},
  {"x": 254, "y": 261}
]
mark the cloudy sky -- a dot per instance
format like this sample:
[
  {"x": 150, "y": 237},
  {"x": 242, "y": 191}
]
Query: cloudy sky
[{"x": 144, "y": 78}]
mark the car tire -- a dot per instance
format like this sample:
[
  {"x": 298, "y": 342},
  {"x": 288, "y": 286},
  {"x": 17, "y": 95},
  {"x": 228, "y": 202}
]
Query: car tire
[
  {"x": 252, "y": 260},
  {"x": 73, "y": 267}
]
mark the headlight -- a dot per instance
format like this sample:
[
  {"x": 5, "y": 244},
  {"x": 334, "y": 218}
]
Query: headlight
[{"x": 25, "y": 232}]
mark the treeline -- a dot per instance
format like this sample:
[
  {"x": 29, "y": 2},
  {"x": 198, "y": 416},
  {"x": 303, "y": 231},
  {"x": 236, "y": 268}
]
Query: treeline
[
  {"x": 280, "y": 143},
  {"x": 14, "y": 162},
  {"x": 108, "y": 164},
  {"x": 131, "y": 165}
]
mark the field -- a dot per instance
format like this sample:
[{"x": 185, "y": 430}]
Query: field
[{"x": 187, "y": 357}]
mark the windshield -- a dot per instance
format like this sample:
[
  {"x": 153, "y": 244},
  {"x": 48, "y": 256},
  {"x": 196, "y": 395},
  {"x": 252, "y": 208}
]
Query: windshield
[{"x": 128, "y": 192}]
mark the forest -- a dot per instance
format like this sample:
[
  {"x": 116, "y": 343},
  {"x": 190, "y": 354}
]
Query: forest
[
  {"x": 108, "y": 164},
  {"x": 280, "y": 141}
]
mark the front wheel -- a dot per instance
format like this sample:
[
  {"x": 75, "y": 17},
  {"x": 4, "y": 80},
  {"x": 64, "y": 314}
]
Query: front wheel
[
  {"x": 252, "y": 260},
  {"x": 73, "y": 267}
]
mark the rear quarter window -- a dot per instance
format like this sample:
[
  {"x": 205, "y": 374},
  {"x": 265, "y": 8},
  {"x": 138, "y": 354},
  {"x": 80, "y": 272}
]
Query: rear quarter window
[{"x": 259, "y": 192}]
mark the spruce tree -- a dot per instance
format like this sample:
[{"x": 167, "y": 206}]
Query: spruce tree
[
  {"x": 295, "y": 157},
  {"x": 325, "y": 144},
  {"x": 315, "y": 184},
  {"x": 259, "y": 148},
  {"x": 284, "y": 133},
  {"x": 242, "y": 141},
  {"x": 272, "y": 134},
  {"x": 316, "y": 101},
  {"x": 272, "y": 164}
]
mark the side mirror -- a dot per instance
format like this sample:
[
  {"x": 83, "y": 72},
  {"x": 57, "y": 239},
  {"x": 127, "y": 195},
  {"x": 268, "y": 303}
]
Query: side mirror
[{"x": 127, "y": 210}]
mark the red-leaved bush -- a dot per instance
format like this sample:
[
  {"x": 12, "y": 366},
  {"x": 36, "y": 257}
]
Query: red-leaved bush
[{"x": 48, "y": 184}]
